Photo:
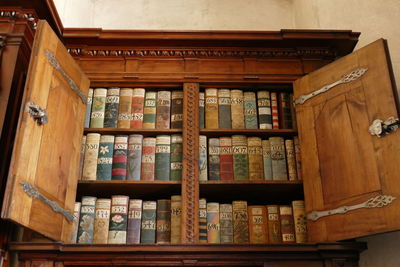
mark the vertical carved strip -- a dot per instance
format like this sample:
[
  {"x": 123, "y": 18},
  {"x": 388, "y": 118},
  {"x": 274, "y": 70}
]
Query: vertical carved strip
[
  {"x": 190, "y": 172},
  {"x": 2, "y": 45}
]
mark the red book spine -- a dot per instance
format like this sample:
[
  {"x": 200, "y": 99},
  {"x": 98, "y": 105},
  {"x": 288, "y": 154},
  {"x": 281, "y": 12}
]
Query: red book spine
[
  {"x": 120, "y": 158},
  {"x": 137, "y": 108},
  {"x": 274, "y": 108},
  {"x": 148, "y": 158},
  {"x": 226, "y": 158}
]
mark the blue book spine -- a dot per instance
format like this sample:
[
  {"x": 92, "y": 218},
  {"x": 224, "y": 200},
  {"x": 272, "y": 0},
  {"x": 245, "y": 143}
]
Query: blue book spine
[
  {"x": 104, "y": 160},
  {"x": 134, "y": 157}
]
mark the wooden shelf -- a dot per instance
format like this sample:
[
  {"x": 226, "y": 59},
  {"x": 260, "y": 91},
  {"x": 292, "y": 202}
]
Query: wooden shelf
[
  {"x": 249, "y": 132},
  {"x": 145, "y": 132}
]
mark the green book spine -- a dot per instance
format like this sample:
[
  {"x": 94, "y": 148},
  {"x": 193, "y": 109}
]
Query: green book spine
[
  {"x": 250, "y": 110},
  {"x": 278, "y": 158},
  {"x": 264, "y": 110},
  {"x": 240, "y": 157},
  {"x": 149, "y": 110},
  {"x": 104, "y": 160},
  {"x": 201, "y": 110},
  {"x": 203, "y": 220},
  {"x": 86, "y": 221},
  {"x": 224, "y": 108},
  {"x": 88, "y": 107},
  {"x": 148, "y": 231},
  {"x": 163, "y": 156},
  {"x": 163, "y": 232},
  {"x": 266, "y": 147},
  {"x": 203, "y": 158},
  {"x": 225, "y": 218},
  {"x": 134, "y": 157},
  {"x": 176, "y": 109},
  {"x": 118, "y": 220},
  {"x": 111, "y": 109},
  {"x": 176, "y": 157},
  {"x": 213, "y": 159},
  {"x": 98, "y": 108}
]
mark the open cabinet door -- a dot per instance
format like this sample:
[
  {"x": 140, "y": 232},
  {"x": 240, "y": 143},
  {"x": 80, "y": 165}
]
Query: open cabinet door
[
  {"x": 42, "y": 180},
  {"x": 351, "y": 178}
]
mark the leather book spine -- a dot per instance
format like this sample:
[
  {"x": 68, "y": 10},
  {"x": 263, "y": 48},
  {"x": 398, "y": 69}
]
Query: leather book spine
[
  {"x": 226, "y": 224},
  {"x": 163, "y": 233},
  {"x": 274, "y": 224},
  {"x": 287, "y": 224},
  {"x": 134, "y": 221},
  {"x": 75, "y": 222},
  {"x": 274, "y": 109},
  {"x": 255, "y": 155},
  {"x": 240, "y": 157},
  {"x": 258, "y": 228},
  {"x": 285, "y": 112},
  {"x": 213, "y": 224},
  {"x": 125, "y": 107},
  {"x": 163, "y": 109},
  {"x": 112, "y": 106},
  {"x": 91, "y": 155},
  {"x": 120, "y": 158},
  {"x": 82, "y": 157},
  {"x": 226, "y": 158},
  {"x": 105, "y": 157},
  {"x": 267, "y": 161},
  {"x": 134, "y": 157},
  {"x": 86, "y": 220},
  {"x": 137, "y": 107},
  {"x": 148, "y": 230},
  {"x": 211, "y": 108},
  {"x": 88, "y": 113},
  {"x": 149, "y": 110},
  {"x": 176, "y": 109},
  {"x": 224, "y": 109},
  {"x": 201, "y": 111},
  {"x": 291, "y": 160},
  {"x": 278, "y": 158},
  {"x": 176, "y": 220},
  {"x": 202, "y": 220},
  {"x": 203, "y": 166},
  {"x": 292, "y": 111},
  {"x": 213, "y": 159},
  {"x": 98, "y": 108},
  {"x": 250, "y": 110},
  {"x": 300, "y": 221},
  {"x": 237, "y": 109},
  {"x": 163, "y": 157},
  {"x": 297, "y": 156},
  {"x": 118, "y": 220},
  {"x": 101, "y": 221},
  {"x": 264, "y": 110},
  {"x": 240, "y": 222},
  {"x": 176, "y": 157},
  {"x": 148, "y": 158}
]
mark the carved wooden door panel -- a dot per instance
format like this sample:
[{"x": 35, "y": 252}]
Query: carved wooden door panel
[
  {"x": 343, "y": 164},
  {"x": 42, "y": 180}
]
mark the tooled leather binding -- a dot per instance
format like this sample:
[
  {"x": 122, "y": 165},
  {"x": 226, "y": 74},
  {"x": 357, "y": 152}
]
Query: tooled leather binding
[
  {"x": 224, "y": 109},
  {"x": 125, "y": 107},
  {"x": 137, "y": 108},
  {"x": 134, "y": 157},
  {"x": 163, "y": 110},
  {"x": 177, "y": 109},
  {"x": 163, "y": 234},
  {"x": 258, "y": 228},
  {"x": 105, "y": 157},
  {"x": 112, "y": 106},
  {"x": 240, "y": 222},
  {"x": 211, "y": 108},
  {"x": 256, "y": 164}
]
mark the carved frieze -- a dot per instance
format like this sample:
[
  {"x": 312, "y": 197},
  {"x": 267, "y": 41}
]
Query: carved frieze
[{"x": 22, "y": 14}]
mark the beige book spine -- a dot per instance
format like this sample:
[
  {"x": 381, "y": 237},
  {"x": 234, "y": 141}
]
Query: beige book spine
[
  {"x": 101, "y": 221},
  {"x": 291, "y": 160},
  {"x": 91, "y": 155},
  {"x": 237, "y": 110}
]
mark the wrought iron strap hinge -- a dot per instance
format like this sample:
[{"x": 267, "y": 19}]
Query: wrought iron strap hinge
[
  {"x": 33, "y": 192},
  {"x": 381, "y": 128},
  {"x": 37, "y": 113},
  {"x": 374, "y": 202}
]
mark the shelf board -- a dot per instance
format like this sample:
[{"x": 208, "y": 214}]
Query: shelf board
[
  {"x": 249, "y": 132},
  {"x": 145, "y": 132}
]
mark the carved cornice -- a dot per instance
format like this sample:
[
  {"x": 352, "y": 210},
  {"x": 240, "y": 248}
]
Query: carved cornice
[{"x": 20, "y": 14}]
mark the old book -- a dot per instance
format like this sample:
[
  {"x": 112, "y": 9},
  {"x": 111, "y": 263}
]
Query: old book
[
  {"x": 98, "y": 108},
  {"x": 258, "y": 228},
  {"x": 149, "y": 110},
  {"x": 250, "y": 110},
  {"x": 300, "y": 221},
  {"x": 226, "y": 224},
  {"x": 105, "y": 158},
  {"x": 237, "y": 110},
  {"x": 274, "y": 224},
  {"x": 82, "y": 157},
  {"x": 137, "y": 108},
  {"x": 176, "y": 157},
  {"x": 291, "y": 160},
  {"x": 213, "y": 159},
  {"x": 176, "y": 218},
  {"x": 202, "y": 220},
  {"x": 297, "y": 156},
  {"x": 224, "y": 109},
  {"x": 120, "y": 158},
  {"x": 240, "y": 157},
  {"x": 125, "y": 107},
  {"x": 201, "y": 111},
  {"x": 163, "y": 110},
  {"x": 255, "y": 155},
  {"x": 213, "y": 224},
  {"x": 134, "y": 221},
  {"x": 91, "y": 155},
  {"x": 274, "y": 110},
  {"x": 240, "y": 222},
  {"x": 292, "y": 111},
  {"x": 112, "y": 107},
  {"x": 163, "y": 233},
  {"x": 203, "y": 169},
  {"x": 163, "y": 158},
  {"x": 284, "y": 111},
  {"x": 89, "y": 101},
  {"x": 148, "y": 158},
  {"x": 148, "y": 230},
  {"x": 86, "y": 220},
  {"x": 287, "y": 224},
  {"x": 278, "y": 158},
  {"x": 134, "y": 157},
  {"x": 267, "y": 161},
  {"x": 75, "y": 222},
  {"x": 264, "y": 110},
  {"x": 118, "y": 219},
  {"x": 226, "y": 158},
  {"x": 176, "y": 109},
  {"x": 102, "y": 221},
  {"x": 211, "y": 108}
]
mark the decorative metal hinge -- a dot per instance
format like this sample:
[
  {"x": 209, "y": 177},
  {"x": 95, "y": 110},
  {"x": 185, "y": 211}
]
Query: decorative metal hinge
[
  {"x": 33, "y": 192},
  {"x": 37, "y": 113},
  {"x": 352, "y": 76},
  {"x": 375, "y": 202},
  {"x": 381, "y": 128},
  {"x": 54, "y": 62}
]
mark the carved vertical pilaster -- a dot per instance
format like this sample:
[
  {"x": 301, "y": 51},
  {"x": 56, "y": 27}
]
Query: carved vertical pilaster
[{"x": 190, "y": 171}]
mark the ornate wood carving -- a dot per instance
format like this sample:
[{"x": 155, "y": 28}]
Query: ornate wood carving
[{"x": 20, "y": 14}]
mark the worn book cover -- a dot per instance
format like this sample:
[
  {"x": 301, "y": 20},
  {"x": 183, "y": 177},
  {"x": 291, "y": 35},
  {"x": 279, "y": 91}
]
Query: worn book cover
[
  {"x": 291, "y": 160},
  {"x": 148, "y": 158},
  {"x": 226, "y": 224},
  {"x": 202, "y": 220},
  {"x": 177, "y": 109},
  {"x": 287, "y": 224},
  {"x": 112, "y": 106},
  {"x": 267, "y": 161},
  {"x": 264, "y": 110},
  {"x": 211, "y": 108},
  {"x": 75, "y": 222},
  {"x": 274, "y": 109},
  {"x": 300, "y": 221},
  {"x": 134, "y": 157},
  {"x": 163, "y": 110},
  {"x": 134, "y": 221},
  {"x": 82, "y": 157},
  {"x": 118, "y": 219},
  {"x": 86, "y": 220},
  {"x": 176, "y": 219},
  {"x": 91, "y": 155},
  {"x": 148, "y": 230},
  {"x": 125, "y": 107},
  {"x": 240, "y": 157},
  {"x": 274, "y": 224},
  {"x": 137, "y": 108},
  {"x": 203, "y": 169},
  {"x": 201, "y": 111},
  {"x": 149, "y": 110},
  {"x": 120, "y": 158},
  {"x": 284, "y": 111},
  {"x": 105, "y": 157},
  {"x": 255, "y": 155},
  {"x": 98, "y": 108},
  {"x": 176, "y": 157},
  {"x": 213, "y": 224},
  {"x": 89, "y": 101},
  {"x": 278, "y": 158},
  {"x": 258, "y": 228},
  {"x": 250, "y": 110},
  {"x": 213, "y": 159},
  {"x": 226, "y": 158},
  {"x": 163, "y": 233},
  {"x": 224, "y": 109},
  {"x": 163, "y": 158},
  {"x": 237, "y": 109},
  {"x": 297, "y": 156},
  {"x": 102, "y": 221},
  {"x": 240, "y": 222}
]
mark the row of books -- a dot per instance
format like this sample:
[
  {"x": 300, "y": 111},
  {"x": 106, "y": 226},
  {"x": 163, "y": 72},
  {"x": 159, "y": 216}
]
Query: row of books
[
  {"x": 134, "y": 108},
  {"x": 123, "y": 157},
  {"x": 121, "y": 220},
  {"x": 240, "y": 223},
  {"x": 249, "y": 158},
  {"x": 235, "y": 109}
]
